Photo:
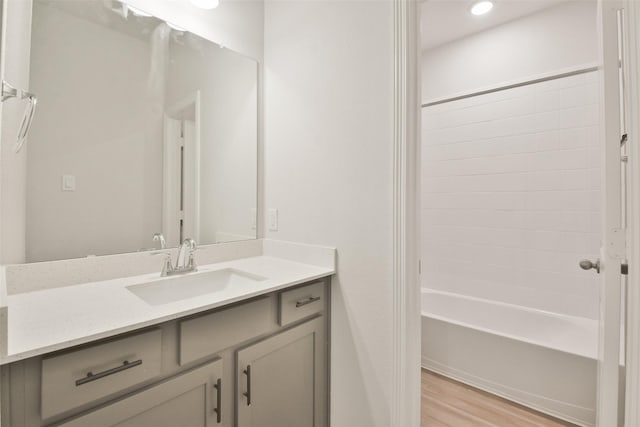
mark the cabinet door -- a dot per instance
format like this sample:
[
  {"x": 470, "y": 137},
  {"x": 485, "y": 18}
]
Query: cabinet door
[
  {"x": 282, "y": 379},
  {"x": 191, "y": 399}
]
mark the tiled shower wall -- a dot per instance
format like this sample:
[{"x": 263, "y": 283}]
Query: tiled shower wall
[{"x": 511, "y": 195}]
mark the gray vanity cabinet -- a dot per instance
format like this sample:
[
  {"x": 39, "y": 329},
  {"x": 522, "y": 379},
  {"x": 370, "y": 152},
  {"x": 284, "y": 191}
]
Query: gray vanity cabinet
[
  {"x": 190, "y": 399},
  {"x": 261, "y": 362},
  {"x": 281, "y": 380}
]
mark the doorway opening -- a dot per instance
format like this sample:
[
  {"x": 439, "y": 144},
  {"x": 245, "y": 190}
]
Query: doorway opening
[
  {"x": 517, "y": 188},
  {"x": 181, "y": 171}
]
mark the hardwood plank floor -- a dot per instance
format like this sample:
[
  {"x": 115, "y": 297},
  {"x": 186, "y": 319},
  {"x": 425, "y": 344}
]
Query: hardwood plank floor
[{"x": 448, "y": 403}]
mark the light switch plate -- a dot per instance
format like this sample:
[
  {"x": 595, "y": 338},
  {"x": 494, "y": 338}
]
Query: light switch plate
[
  {"x": 273, "y": 219},
  {"x": 68, "y": 183}
]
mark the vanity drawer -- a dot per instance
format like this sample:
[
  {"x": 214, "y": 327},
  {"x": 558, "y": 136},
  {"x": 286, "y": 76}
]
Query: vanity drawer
[
  {"x": 301, "y": 302},
  {"x": 206, "y": 335},
  {"x": 72, "y": 379}
]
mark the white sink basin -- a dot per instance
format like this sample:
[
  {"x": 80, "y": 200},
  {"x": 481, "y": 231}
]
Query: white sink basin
[{"x": 163, "y": 291}]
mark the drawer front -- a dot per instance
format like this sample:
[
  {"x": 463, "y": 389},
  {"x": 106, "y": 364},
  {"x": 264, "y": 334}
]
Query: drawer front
[
  {"x": 192, "y": 398},
  {"x": 206, "y": 335},
  {"x": 82, "y": 376},
  {"x": 301, "y": 302}
]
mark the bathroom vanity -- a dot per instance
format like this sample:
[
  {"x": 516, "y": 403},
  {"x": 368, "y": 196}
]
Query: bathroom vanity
[
  {"x": 163, "y": 152},
  {"x": 246, "y": 354}
]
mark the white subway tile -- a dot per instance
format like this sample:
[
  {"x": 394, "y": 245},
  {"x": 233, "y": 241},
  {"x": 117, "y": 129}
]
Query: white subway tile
[{"x": 511, "y": 193}]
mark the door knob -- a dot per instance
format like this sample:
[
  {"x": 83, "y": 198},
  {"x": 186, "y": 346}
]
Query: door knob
[{"x": 586, "y": 264}]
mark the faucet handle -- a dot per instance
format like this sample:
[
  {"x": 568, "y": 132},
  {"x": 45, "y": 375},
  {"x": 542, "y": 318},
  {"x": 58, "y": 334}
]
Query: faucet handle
[
  {"x": 191, "y": 243},
  {"x": 167, "y": 266},
  {"x": 191, "y": 263},
  {"x": 158, "y": 237}
]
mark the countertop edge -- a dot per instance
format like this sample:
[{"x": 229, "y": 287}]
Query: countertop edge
[{"x": 7, "y": 359}]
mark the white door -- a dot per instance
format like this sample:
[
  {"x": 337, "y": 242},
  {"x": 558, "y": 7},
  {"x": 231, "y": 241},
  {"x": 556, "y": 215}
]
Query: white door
[
  {"x": 180, "y": 184},
  {"x": 610, "y": 412},
  {"x": 171, "y": 181},
  {"x": 190, "y": 181}
]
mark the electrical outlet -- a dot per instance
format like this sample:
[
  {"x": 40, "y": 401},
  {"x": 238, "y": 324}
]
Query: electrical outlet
[{"x": 273, "y": 219}]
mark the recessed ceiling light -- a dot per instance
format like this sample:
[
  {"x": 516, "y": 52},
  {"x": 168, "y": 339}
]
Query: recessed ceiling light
[
  {"x": 205, "y": 4},
  {"x": 138, "y": 12},
  {"x": 481, "y": 7}
]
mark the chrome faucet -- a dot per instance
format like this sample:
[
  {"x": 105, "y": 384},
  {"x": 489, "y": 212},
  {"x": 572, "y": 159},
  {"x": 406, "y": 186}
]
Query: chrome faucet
[
  {"x": 185, "y": 255},
  {"x": 158, "y": 237},
  {"x": 185, "y": 262}
]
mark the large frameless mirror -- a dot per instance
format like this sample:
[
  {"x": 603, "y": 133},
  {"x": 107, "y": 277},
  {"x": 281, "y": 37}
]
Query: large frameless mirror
[{"x": 142, "y": 128}]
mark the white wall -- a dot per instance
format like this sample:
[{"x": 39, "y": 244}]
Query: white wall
[
  {"x": 552, "y": 39},
  {"x": 510, "y": 180},
  {"x": 328, "y": 170},
  {"x": 14, "y": 60},
  {"x": 510, "y": 196},
  {"x": 237, "y": 25},
  {"x": 227, "y": 82},
  {"x": 94, "y": 122}
]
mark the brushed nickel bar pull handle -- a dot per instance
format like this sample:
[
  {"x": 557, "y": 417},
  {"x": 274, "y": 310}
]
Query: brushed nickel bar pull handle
[
  {"x": 247, "y": 372},
  {"x": 218, "y": 408},
  {"x": 307, "y": 301},
  {"x": 92, "y": 377}
]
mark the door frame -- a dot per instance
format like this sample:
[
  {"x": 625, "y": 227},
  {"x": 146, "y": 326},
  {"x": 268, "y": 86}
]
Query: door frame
[
  {"x": 613, "y": 247},
  {"x": 169, "y": 164},
  {"x": 405, "y": 409},
  {"x": 405, "y": 393},
  {"x": 632, "y": 393}
]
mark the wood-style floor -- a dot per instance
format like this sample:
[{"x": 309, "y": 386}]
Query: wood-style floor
[{"x": 448, "y": 403}]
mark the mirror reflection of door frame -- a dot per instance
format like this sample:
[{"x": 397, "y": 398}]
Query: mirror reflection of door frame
[{"x": 181, "y": 171}]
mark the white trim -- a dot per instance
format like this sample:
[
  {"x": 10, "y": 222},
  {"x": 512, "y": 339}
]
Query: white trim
[
  {"x": 198, "y": 162},
  {"x": 168, "y": 162},
  {"x": 632, "y": 394},
  {"x": 405, "y": 397},
  {"x": 170, "y": 185},
  {"x": 612, "y": 251},
  {"x": 3, "y": 62}
]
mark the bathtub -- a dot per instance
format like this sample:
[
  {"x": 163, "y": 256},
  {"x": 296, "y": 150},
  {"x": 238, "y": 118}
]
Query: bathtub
[{"x": 542, "y": 360}]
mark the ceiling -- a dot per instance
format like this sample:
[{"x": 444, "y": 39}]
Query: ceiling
[{"x": 447, "y": 20}]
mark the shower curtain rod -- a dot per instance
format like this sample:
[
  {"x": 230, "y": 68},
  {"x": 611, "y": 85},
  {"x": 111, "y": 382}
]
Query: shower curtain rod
[{"x": 513, "y": 85}]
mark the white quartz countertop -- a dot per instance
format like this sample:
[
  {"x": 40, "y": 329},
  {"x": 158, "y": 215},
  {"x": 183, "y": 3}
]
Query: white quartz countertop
[{"x": 47, "y": 320}]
